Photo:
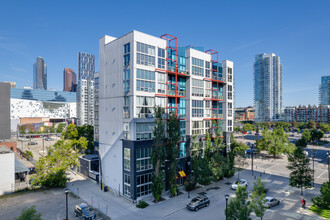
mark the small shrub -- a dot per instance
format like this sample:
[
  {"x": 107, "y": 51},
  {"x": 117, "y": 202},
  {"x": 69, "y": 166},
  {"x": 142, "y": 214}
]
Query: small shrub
[
  {"x": 323, "y": 201},
  {"x": 190, "y": 184},
  {"x": 142, "y": 204},
  {"x": 29, "y": 153}
]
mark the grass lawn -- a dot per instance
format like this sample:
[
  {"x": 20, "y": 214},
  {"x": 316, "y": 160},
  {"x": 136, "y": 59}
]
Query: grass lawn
[{"x": 322, "y": 212}]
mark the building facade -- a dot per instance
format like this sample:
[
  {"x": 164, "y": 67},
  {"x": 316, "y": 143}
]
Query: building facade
[
  {"x": 40, "y": 74},
  {"x": 96, "y": 110},
  {"x": 11, "y": 84},
  {"x": 244, "y": 114},
  {"x": 69, "y": 80},
  {"x": 4, "y": 111},
  {"x": 85, "y": 89},
  {"x": 137, "y": 72},
  {"x": 267, "y": 87},
  {"x": 324, "y": 91},
  {"x": 319, "y": 114},
  {"x": 29, "y": 103},
  {"x": 7, "y": 170}
]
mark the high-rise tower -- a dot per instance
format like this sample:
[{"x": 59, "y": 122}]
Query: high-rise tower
[
  {"x": 40, "y": 74},
  {"x": 325, "y": 91},
  {"x": 69, "y": 80},
  {"x": 267, "y": 87}
]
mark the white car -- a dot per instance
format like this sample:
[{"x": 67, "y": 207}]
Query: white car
[
  {"x": 240, "y": 182},
  {"x": 271, "y": 201}
]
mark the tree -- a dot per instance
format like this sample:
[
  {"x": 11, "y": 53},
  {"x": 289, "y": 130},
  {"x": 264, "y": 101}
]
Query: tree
[
  {"x": 301, "y": 174},
  {"x": 60, "y": 128},
  {"x": 247, "y": 127},
  {"x": 323, "y": 201},
  {"x": 275, "y": 142},
  {"x": 298, "y": 130},
  {"x": 324, "y": 127},
  {"x": 173, "y": 132},
  {"x": 311, "y": 124},
  {"x": 316, "y": 135},
  {"x": 71, "y": 132},
  {"x": 306, "y": 135},
  {"x": 259, "y": 187},
  {"x": 51, "y": 170},
  {"x": 29, "y": 214},
  {"x": 258, "y": 204},
  {"x": 295, "y": 124},
  {"x": 87, "y": 131},
  {"x": 238, "y": 207},
  {"x": 158, "y": 154},
  {"x": 240, "y": 158},
  {"x": 208, "y": 147}
]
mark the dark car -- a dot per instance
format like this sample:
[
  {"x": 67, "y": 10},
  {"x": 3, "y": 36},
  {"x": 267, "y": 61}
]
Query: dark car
[
  {"x": 84, "y": 211},
  {"x": 32, "y": 143},
  {"x": 198, "y": 202}
]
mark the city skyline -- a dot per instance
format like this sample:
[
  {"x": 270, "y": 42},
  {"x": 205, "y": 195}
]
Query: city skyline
[{"x": 296, "y": 37}]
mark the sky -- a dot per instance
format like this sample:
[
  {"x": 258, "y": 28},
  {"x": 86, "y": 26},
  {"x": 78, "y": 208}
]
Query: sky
[{"x": 296, "y": 30}]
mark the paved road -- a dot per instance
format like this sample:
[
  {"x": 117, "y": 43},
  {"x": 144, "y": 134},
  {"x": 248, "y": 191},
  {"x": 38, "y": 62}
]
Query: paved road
[{"x": 175, "y": 208}]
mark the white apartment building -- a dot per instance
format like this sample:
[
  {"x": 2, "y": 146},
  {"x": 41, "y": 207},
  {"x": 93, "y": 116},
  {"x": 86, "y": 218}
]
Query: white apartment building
[
  {"x": 7, "y": 170},
  {"x": 138, "y": 71},
  {"x": 85, "y": 102}
]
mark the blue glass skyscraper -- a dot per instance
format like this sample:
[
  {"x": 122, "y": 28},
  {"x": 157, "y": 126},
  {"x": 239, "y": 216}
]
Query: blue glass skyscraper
[
  {"x": 325, "y": 90},
  {"x": 40, "y": 74}
]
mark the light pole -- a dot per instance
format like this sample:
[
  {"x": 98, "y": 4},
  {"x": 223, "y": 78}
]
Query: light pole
[
  {"x": 328, "y": 154},
  {"x": 252, "y": 159},
  {"x": 66, "y": 190},
  {"x": 227, "y": 197}
]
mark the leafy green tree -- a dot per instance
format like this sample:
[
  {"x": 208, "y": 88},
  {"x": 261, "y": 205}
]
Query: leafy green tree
[
  {"x": 238, "y": 207},
  {"x": 258, "y": 204},
  {"x": 295, "y": 124},
  {"x": 237, "y": 129},
  {"x": 301, "y": 174},
  {"x": 208, "y": 147},
  {"x": 240, "y": 157},
  {"x": 158, "y": 154},
  {"x": 218, "y": 165},
  {"x": 316, "y": 135},
  {"x": 323, "y": 201},
  {"x": 324, "y": 127},
  {"x": 51, "y": 170},
  {"x": 301, "y": 143},
  {"x": 87, "y": 131},
  {"x": 259, "y": 187},
  {"x": 71, "y": 132},
  {"x": 311, "y": 124},
  {"x": 202, "y": 171},
  {"x": 275, "y": 142},
  {"x": 60, "y": 128},
  {"x": 247, "y": 127},
  {"x": 298, "y": 130},
  {"x": 306, "y": 135},
  {"x": 173, "y": 132},
  {"x": 29, "y": 214}
]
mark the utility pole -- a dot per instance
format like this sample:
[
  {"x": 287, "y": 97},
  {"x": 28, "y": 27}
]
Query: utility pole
[
  {"x": 252, "y": 160},
  {"x": 43, "y": 145}
]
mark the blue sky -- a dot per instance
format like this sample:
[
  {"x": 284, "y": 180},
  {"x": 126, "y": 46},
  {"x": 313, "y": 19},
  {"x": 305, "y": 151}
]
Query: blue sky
[{"x": 296, "y": 30}]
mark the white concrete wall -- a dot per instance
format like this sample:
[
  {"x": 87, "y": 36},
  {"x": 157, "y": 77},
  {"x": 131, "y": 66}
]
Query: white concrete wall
[
  {"x": 7, "y": 172},
  {"x": 225, "y": 65},
  {"x": 22, "y": 108}
]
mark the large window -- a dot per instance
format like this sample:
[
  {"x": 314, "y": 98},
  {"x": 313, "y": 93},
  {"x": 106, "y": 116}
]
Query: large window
[
  {"x": 145, "y": 60},
  {"x": 127, "y": 159},
  {"x": 230, "y": 74},
  {"x": 127, "y": 185},
  {"x": 145, "y": 48},
  {"x": 127, "y": 57},
  {"x": 144, "y": 130},
  {"x": 127, "y": 48},
  {"x": 161, "y": 58},
  {"x": 197, "y": 62},
  {"x": 197, "y": 108},
  {"x": 143, "y": 185},
  {"x": 198, "y": 88},
  {"x": 126, "y": 80},
  {"x": 146, "y": 80},
  {"x": 143, "y": 160},
  {"x": 144, "y": 106},
  {"x": 230, "y": 109},
  {"x": 197, "y": 71},
  {"x": 198, "y": 83},
  {"x": 126, "y": 107},
  {"x": 197, "y": 127}
]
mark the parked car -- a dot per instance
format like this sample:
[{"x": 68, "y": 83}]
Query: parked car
[
  {"x": 84, "y": 211},
  {"x": 48, "y": 139},
  {"x": 257, "y": 134},
  {"x": 32, "y": 143},
  {"x": 248, "y": 151},
  {"x": 240, "y": 182},
  {"x": 271, "y": 201},
  {"x": 198, "y": 202}
]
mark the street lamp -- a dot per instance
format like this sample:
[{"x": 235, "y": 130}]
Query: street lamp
[
  {"x": 66, "y": 190},
  {"x": 227, "y": 197},
  {"x": 252, "y": 159},
  {"x": 328, "y": 153}
]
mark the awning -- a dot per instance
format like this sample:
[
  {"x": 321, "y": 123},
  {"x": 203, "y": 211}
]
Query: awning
[
  {"x": 19, "y": 167},
  {"x": 182, "y": 174}
]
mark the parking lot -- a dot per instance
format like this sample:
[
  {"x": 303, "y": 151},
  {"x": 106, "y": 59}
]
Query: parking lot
[{"x": 37, "y": 150}]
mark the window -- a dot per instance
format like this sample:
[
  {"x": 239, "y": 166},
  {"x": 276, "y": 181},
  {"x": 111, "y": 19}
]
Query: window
[
  {"x": 127, "y": 58},
  {"x": 161, "y": 88},
  {"x": 197, "y": 71},
  {"x": 142, "y": 85},
  {"x": 127, "y": 159},
  {"x": 145, "y": 60},
  {"x": 207, "y": 65},
  {"x": 230, "y": 109},
  {"x": 145, "y": 48},
  {"x": 144, "y": 130},
  {"x": 198, "y": 83},
  {"x": 143, "y": 160},
  {"x": 197, "y": 108},
  {"x": 127, "y": 48},
  {"x": 230, "y": 74},
  {"x": 160, "y": 101},
  {"x": 143, "y": 185},
  {"x": 145, "y": 74},
  {"x": 197, "y": 62},
  {"x": 127, "y": 185},
  {"x": 197, "y": 92},
  {"x": 161, "y": 58},
  {"x": 161, "y": 52},
  {"x": 126, "y": 80},
  {"x": 197, "y": 127},
  {"x": 126, "y": 107},
  {"x": 161, "y": 77},
  {"x": 145, "y": 106}
]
